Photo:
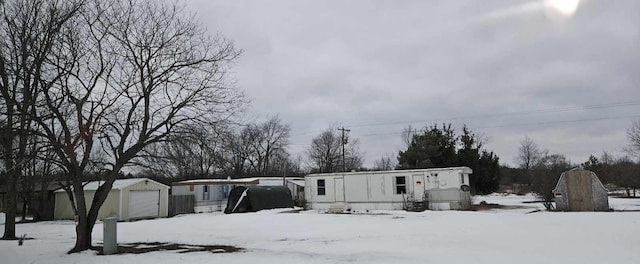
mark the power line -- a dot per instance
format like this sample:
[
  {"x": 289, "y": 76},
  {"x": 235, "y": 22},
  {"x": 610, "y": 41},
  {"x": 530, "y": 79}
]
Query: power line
[
  {"x": 516, "y": 113},
  {"x": 490, "y": 115},
  {"x": 309, "y": 132},
  {"x": 523, "y": 124}
]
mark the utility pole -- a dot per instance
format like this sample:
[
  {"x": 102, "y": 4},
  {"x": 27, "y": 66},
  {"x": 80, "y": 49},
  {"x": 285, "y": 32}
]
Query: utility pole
[{"x": 345, "y": 140}]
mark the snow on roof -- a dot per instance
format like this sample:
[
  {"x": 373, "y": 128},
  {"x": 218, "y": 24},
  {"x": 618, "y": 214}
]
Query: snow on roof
[
  {"x": 217, "y": 181},
  {"x": 298, "y": 182},
  {"x": 463, "y": 169},
  {"x": 117, "y": 184},
  {"x": 254, "y": 180}
]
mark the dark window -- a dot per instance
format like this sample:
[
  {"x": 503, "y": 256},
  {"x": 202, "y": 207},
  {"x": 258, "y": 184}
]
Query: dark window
[
  {"x": 401, "y": 184},
  {"x": 205, "y": 192},
  {"x": 225, "y": 191},
  {"x": 462, "y": 178},
  {"x": 321, "y": 188}
]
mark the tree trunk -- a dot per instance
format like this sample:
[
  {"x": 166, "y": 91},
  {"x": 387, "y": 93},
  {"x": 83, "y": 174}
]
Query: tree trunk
[
  {"x": 10, "y": 217},
  {"x": 84, "y": 229},
  {"x": 43, "y": 199},
  {"x": 23, "y": 216},
  {"x": 87, "y": 218}
]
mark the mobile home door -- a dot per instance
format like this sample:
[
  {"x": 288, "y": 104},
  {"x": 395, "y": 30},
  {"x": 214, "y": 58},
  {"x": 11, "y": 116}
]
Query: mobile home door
[{"x": 418, "y": 186}]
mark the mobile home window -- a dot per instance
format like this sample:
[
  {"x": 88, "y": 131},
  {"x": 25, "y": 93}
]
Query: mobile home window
[
  {"x": 205, "y": 192},
  {"x": 321, "y": 188},
  {"x": 401, "y": 184},
  {"x": 225, "y": 191},
  {"x": 462, "y": 178}
]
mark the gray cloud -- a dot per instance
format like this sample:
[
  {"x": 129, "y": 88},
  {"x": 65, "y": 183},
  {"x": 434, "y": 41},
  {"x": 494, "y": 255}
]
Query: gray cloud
[{"x": 318, "y": 63}]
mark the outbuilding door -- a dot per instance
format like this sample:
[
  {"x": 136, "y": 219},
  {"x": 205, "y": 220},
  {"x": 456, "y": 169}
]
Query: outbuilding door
[
  {"x": 579, "y": 190},
  {"x": 143, "y": 204}
]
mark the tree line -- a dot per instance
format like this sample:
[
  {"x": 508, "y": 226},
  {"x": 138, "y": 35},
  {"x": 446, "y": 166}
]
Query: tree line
[
  {"x": 251, "y": 149},
  {"x": 538, "y": 170}
]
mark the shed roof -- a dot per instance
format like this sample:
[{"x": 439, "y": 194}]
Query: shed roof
[
  {"x": 117, "y": 184},
  {"x": 298, "y": 182}
]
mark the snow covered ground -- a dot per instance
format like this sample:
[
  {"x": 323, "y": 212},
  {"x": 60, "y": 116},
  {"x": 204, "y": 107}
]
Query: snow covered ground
[{"x": 491, "y": 236}]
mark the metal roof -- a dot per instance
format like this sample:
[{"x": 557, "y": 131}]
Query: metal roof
[
  {"x": 217, "y": 181},
  {"x": 117, "y": 184},
  {"x": 463, "y": 168}
]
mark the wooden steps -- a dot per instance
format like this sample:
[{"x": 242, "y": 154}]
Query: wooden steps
[{"x": 337, "y": 208}]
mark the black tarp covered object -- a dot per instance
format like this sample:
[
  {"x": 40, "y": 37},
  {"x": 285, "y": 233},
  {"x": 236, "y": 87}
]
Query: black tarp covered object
[{"x": 255, "y": 198}]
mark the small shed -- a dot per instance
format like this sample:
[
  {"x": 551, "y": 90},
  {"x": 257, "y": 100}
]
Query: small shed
[
  {"x": 255, "y": 198},
  {"x": 129, "y": 199},
  {"x": 580, "y": 190}
]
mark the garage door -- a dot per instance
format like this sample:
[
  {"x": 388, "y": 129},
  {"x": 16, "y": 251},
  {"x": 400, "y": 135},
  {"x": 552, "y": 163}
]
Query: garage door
[{"x": 143, "y": 204}]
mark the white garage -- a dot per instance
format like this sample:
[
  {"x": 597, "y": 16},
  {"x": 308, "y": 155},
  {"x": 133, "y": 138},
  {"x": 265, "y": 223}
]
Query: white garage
[{"x": 129, "y": 199}]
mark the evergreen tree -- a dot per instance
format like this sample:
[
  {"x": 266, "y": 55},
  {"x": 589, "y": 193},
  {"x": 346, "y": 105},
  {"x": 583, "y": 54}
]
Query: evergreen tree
[
  {"x": 440, "y": 147},
  {"x": 432, "y": 148}
]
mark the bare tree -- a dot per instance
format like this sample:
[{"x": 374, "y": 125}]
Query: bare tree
[
  {"x": 28, "y": 31},
  {"x": 546, "y": 174},
  {"x": 626, "y": 173},
  {"x": 192, "y": 153},
  {"x": 325, "y": 152},
  {"x": 633, "y": 134},
  {"x": 354, "y": 157},
  {"x": 386, "y": 162},
  {"x": 407, "y": 135},
  {"x": 268, "y": 143},
  {"x": 134, "y": 73},
  {"x": 257, "y": 149},
  {"x": 529, "y": 154}
]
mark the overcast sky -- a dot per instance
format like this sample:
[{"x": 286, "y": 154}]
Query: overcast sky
[{"x": 507, "y": 69}]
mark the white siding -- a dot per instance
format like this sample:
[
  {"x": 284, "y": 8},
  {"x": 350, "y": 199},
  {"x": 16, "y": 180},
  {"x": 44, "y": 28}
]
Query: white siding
[{"x": 377, "y": 190}]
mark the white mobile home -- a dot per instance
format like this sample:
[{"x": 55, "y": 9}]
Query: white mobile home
[{"x": 439, "y": 189}]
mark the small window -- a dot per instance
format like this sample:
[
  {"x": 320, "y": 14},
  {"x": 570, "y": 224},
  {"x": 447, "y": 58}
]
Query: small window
[
  {"x": 191, "y": 187},
  {"x": 225, "y": 191},
  {"x": 462, "y": 178},
  {"x": 321, "y": 187},
  {"x": 205, "y": 192},
  {"x": 401, "y": 184}
]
